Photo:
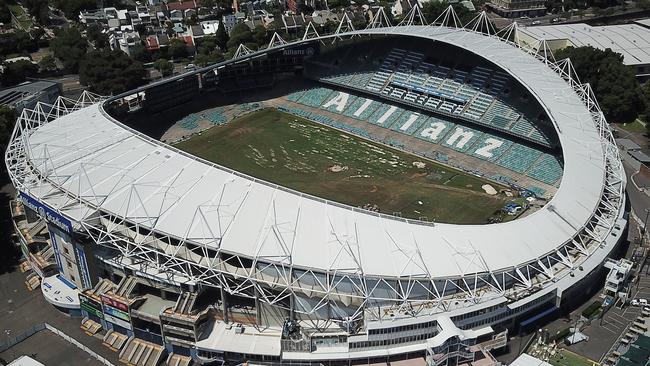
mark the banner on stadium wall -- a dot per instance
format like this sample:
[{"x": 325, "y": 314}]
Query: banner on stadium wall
[
  {"x": 57, "y": 238},
  {"x": 304, "y": 50},
  {"x": 82, "y": 266},
  {"x": 47, "y": 213},
  {"x": 91, "y": 306},
  {"x": 116, "y": 312}
]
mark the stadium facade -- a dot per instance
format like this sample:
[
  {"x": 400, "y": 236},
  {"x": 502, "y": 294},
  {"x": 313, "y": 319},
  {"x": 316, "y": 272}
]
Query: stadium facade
[{"x": 170, "y": 254}]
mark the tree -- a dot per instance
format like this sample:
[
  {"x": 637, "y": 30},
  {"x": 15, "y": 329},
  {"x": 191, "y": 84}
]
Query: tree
[
  {"x": 192, "y": 20},
  {"x": 17, "y": 42},
  {"x": 72, "y": 8},
  {"x": 206, "y": 44},
  {"x": 163, "y": 66},
  {"x": 96, "y": 35},
  {"x": 38, "y": 9},
  {"x": 169, "y": 30},
  {"x": 259, "y": 35},
  {"x": 239, "y": 34},
  {"x": 221, "y": 36},
  {"x": 16, "y": 72},
  {"x": 110, "y": 72},
  {"x": 177, "y": 48},
  {"x": 334, "y": 4},
  {"x": 208, "y": 59},
  {"x": 47, "y": 63},
  {"x": 69, "y": 47},
  {"x": 140, "y": 53},
  {"x": 614, "y": 84},
  {"x": 432, "y": 9},
  {"x": 207, "y": 3},
  {"x": 5, "y": 15},
  {"x": 7, "y": 121}
]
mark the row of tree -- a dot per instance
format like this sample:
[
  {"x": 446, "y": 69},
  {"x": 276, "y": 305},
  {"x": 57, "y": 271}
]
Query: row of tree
[
  {"x": 619, "y": 94},
  {"x": 105, "y": 71}
]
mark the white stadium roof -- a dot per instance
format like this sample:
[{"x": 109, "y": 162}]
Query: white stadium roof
[
  {"x": 630, "y": 40},
  {"x": 89, "y": 155}
]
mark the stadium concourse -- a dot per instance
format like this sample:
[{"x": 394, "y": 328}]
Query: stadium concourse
[{"x": 175, "y": 256}]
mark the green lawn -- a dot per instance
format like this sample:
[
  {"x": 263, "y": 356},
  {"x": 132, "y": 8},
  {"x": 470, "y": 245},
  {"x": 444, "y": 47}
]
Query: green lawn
[
  {"x": 325, "y": 162},
  {"x": 567, "y": 358},
  {"x": 20, "y": 14},
  {"x": 635, "y": 126},
  {"x": 16, "y": 9}
]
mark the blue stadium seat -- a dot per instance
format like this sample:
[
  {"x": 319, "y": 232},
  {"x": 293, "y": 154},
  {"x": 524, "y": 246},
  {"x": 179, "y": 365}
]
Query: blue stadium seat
[
  {"x": 385, "y": 115},
  {"x": 547, "y": 169},
  {"x": 315, "y": 97},
  {"x": 519, "y": 158},
  {"x": 407, "y": 124},
  {"x": 295, "y": 96},
  {"x": 461, "y": 138},
  {"x": 354, "y": 107},
  {"x": 434, "y": 129},
  {"x": 490, "y": 147},
  {"x": 508, "y": 154}
]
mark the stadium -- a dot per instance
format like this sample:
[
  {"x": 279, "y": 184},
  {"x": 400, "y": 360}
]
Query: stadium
[{"x": 190, "y": 226}]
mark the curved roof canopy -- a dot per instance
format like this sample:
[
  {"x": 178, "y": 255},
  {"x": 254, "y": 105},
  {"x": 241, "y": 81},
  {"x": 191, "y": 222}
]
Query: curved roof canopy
[{"x": 129, "y": 175}]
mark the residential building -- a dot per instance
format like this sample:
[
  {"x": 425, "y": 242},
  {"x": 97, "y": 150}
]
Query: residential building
[
  {"x": 229, "y": 22},
  {"x": 124, "y": 41},
  {"x": 518, "y": 8},
  {"x": 292, "y": 23}
]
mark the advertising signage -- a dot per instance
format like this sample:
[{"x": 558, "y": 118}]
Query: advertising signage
[
  {"x": 91, "y": 306},
  {"x": 47, "y": 213},
  {"x": 116, "y": 312},
  {"x": 115, "y": 303},
  {"x": 305, "y": 50}
]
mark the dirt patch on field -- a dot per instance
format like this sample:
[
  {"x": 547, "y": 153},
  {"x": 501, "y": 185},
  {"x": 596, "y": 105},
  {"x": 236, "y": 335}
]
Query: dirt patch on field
[
  {"x": 418, "y": 175},
  {"x": 337, "y": 168},
  {"x": 241, "y": 131}
]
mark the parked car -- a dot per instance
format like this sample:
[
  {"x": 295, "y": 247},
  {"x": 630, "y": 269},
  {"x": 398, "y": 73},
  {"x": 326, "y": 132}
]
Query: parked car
[
  {"x": 536, "y": 22},
  {"x": 639, "y": 302}
]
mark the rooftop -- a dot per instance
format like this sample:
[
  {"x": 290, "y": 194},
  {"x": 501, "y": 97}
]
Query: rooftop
[{"x": 630, "y": 40}]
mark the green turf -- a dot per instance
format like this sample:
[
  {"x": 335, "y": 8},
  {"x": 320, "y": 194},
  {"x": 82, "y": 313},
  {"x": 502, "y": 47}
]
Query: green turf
[
  {"x": 635, "y": 126},
  {"x": 299, "y": 154},
  {"x": 19, "y": 13},
  {"x": 566, "y": 358}
]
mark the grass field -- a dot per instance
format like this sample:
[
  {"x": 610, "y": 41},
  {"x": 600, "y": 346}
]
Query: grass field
[
  {"x": 567, "y": 358},
  {"x": 315, "y": 159},
  {"x": 635, "y": 126},
  {"x": 20, "y": 14}
]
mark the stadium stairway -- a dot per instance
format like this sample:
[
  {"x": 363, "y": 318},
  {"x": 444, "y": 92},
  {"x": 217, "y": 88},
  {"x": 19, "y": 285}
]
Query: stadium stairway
[
  {"x": 178, "y": 360},
  {"x": 141, "y": 353},
  {"x": 114, "y": 340}
]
